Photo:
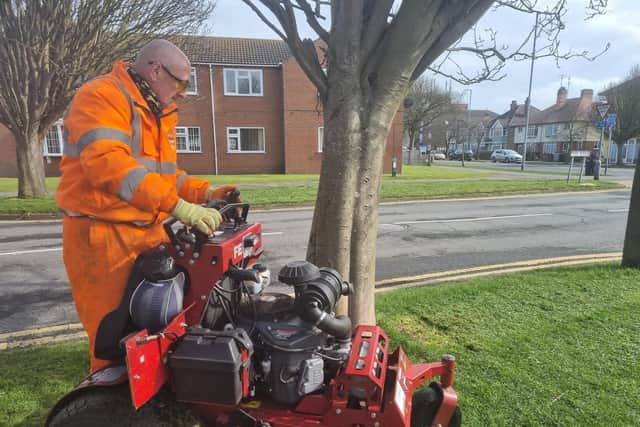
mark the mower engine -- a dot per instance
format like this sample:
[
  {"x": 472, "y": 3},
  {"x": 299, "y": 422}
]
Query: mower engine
[{"x": 275, "y": 344}]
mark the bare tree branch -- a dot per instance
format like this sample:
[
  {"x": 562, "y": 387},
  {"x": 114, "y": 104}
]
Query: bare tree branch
[
  {"x": 492, "y": 57},
  {"x": 311, "y": 19},
  {"x": 304, "y": 51}
]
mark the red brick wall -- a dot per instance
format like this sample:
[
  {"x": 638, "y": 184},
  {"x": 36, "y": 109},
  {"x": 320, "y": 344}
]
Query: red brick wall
[
  {"x": 303, "y": 116},
  {"x": 195, "y": 110},
  {"x": 251, "y": 111}
]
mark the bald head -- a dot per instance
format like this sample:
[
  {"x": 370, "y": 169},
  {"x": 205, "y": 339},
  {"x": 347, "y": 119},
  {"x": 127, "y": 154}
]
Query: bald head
[
  {"x": 164, "y": 67},
  {"x": 166, "y": 53}
]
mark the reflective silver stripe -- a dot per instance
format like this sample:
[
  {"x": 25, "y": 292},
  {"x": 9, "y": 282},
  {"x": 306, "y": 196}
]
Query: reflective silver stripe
[
  {"x": 93, "y": 135},
  {"x": 136, "y": 126},
  {"x": 163, "y": 168},
  {"x": 130, "y": 183},
  {"x": 77, "y": 215},
  {"x": 181, "y": 179}
]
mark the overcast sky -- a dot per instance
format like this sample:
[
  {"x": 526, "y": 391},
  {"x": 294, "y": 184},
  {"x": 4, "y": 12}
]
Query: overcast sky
[{"x": 620, "y": 27}]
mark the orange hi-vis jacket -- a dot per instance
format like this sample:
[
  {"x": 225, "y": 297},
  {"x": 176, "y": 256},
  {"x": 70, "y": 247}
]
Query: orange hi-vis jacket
[
  {"x": 119, "y": 182},
  {"x": 119, "y": 160}
]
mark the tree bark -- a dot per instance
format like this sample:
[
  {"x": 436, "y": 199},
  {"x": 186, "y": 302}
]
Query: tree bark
[
  {"x": 31, "y": 182},
  {"x": 631, "y": 251}
]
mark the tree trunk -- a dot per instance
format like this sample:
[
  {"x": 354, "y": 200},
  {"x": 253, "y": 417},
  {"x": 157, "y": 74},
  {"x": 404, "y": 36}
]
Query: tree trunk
[
  {"x": 365, "y": 223},
  {"x": 29, "y": 151},
  {"x": 631, "y": 251}
]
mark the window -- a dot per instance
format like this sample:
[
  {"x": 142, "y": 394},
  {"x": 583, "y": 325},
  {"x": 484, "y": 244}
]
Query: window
[
  {"x": 320, "y": 138},
  {"x": 532, "y": 131},
  {"x": 549, "y": 148},
  {"x": 567, "y": 126},
  {"x": 242, "y": 82},
  {"x": 496, "y": 130},
  {"x": 53, "y": 141},
  {"x": 188, "y": 139},
  {"x": 520, "y": 128},
  {"x": 245, "y": 140},
  {"x": 192, "y": 89},
  {"x": 551, "y": 130},
  {"x": 505, "y": 132},
  {"x": 565, "y": 147}
]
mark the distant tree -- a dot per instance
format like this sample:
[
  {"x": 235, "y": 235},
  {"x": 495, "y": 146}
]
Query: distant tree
[
  {"x": 375, "y": 50},
  {"x": 48, "y": 48},
  {"x": 624, "y": 99},
  {"x": 429, "y": 102}
]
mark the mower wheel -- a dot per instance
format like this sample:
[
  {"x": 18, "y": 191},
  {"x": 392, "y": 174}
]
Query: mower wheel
[
  {"x": 111, "y": 406},
  {"x": 425, "y": 404}
]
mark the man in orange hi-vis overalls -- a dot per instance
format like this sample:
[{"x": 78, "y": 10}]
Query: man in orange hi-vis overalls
[{"x": 120, "y": 180}]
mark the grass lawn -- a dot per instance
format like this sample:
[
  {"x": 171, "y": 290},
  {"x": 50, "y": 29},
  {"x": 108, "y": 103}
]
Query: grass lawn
[
  {"x": 409, "y": 172},
  {"x": 554, "y": 347},
  {"x": 292, "y": 194}
]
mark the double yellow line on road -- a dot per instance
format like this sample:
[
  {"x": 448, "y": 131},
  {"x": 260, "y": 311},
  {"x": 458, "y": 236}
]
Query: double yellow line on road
[{"x": 74, "y": 331}]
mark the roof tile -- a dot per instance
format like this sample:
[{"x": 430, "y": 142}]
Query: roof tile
[{"x": 234, "y": 51}]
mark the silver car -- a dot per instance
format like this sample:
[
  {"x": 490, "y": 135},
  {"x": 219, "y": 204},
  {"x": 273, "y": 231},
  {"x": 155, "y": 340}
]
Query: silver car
[{"x": 506, "y": 156}]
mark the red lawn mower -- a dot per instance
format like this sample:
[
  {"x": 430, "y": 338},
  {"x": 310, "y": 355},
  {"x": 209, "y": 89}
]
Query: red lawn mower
[{"x": 207, "y": 344}]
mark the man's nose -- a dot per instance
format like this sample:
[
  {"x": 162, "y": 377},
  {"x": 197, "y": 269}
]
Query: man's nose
[{"x": 181, "y": 95}]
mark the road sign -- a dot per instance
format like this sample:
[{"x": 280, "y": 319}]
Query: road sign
[
  {"x": 581, "y": 153},
  {"x": 602, "y": 109},
  {"x": 611, "y": 120},
  {"x": 601, "y": 124}
]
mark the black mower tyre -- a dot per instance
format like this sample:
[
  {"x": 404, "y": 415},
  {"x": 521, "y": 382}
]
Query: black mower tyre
[
  {"x": 111, "y": 406},
  {"x": 425, "y": 404}
]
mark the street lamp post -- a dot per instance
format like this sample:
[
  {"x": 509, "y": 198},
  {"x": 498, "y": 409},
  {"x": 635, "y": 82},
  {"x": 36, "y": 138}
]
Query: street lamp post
[
  {"x": 468, "y": 123},
  {"x": 527, "y": 104}
]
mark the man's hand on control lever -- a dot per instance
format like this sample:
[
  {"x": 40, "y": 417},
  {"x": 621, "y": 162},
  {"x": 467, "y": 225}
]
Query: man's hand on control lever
[
  {"x": 228, "y": 193},
  {"x": 206, "y": 220}
]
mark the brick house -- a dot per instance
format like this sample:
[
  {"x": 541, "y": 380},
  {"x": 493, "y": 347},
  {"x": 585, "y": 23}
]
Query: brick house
[
  {"x": 553, "y": 132},
  {"x": 249, "y": 109}
]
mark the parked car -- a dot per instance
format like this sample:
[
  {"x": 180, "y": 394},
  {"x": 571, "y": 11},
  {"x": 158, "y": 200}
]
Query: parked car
[
  {"x": 506, "y": 156},
  {"x": 457, "y": 155},
  {"x": 436, "y": 155}
]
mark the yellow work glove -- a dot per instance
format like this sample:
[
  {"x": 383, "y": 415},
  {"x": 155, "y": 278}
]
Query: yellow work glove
[
  {"x": 204, "y": 219},
  {"x": 221, "y": 193}
]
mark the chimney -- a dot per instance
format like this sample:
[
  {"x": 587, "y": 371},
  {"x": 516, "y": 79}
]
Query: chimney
[
  {"x": 586, "y": 94},
  {"x": 514, "y": 106},
  {"x": 561, "y": 98}
]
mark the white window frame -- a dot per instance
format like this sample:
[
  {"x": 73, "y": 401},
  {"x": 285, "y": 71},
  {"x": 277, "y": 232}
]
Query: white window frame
[
  {"x": 240, "y": 150},
  {"x": 549, "y": 148},
  {"x": 192, "y": 89},
  {"x": 496, "y": 130},
  {"x": 551, "y": 130},
  {"x": 532, "y": 132},
  {"x": 186, "y": 135},
  {"x": 45, "y": 147},
  {"x": 250, "y": 71},
  {"x": 320, "y": 138}
]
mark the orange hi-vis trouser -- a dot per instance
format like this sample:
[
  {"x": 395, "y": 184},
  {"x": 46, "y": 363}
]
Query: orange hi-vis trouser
[{"x": 98, "y": 256}]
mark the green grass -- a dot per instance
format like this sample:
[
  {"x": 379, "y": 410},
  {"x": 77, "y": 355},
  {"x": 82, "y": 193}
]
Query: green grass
[
  {"x": 557, "y": 347},
  {"x": 548, "y": 348},
  {"x": 409, "y": 172},
  {"x": 401, "y": 189},
  {"x": 33, "y": 380}
]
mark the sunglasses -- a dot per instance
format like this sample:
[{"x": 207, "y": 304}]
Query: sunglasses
[{"x": 181, "y": 85}]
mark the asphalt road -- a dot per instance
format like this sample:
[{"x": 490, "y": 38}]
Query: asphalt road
[{"x": 413, "y": 239}]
